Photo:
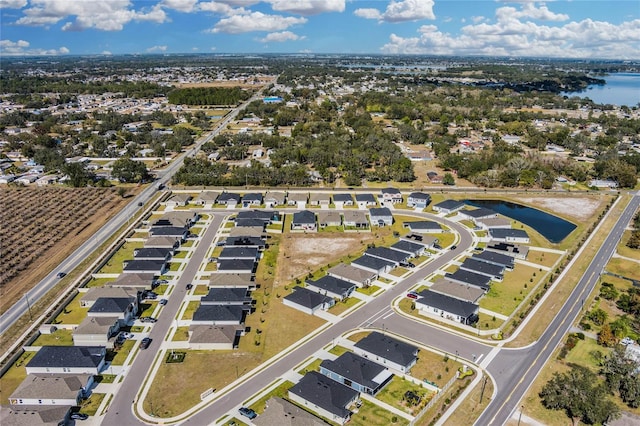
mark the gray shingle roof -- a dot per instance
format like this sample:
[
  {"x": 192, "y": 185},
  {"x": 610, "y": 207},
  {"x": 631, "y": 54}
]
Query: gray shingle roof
[
  {"x": 68, "y": 356},
  {"x": 470, "y": 278},
  {"x": 355, "y": 368},
  {"x": 220, "y": 313},
  {"x": 332, "y": 284},
  {"x": 111, "y": 304},
  {"x": 388, "y": 348},
  {"x": 325, "y": 393},
  {"x": 387, "y": 254},
  {"x": 372, "y": 262},
  {"x": 307, "y": 298},
  {"x": 447, "y": 303}
]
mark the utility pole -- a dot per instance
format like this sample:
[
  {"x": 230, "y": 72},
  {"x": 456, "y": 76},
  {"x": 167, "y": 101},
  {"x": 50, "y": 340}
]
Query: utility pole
[
  {"x": 520, "y": 416},
  {"x": 26, "y": 296},
  {"x": 484, "y": 384}
]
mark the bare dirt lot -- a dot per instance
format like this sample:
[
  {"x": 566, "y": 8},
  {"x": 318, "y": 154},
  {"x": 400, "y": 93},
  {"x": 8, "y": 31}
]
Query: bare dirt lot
[
  {"x": 39, "y": 227},
  {"x": 301, "y": 254},
  {"x": 581, "y": 208}
]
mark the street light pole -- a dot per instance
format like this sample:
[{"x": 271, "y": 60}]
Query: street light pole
[
  {"x": 520, "y": 416},
  {"x": 26, "y": 296}
]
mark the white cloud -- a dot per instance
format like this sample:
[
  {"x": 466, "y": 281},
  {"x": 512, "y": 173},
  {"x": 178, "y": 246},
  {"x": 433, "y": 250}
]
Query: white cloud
[
  {"x": 180, "y": 5},
  {"x": 514, "y": 37},
  {"x": 307, "y": 7},
  {"x": 157, "y": 49},
  {"x": 401, "y": 11},
  {"x": 477, "y": 19},
  {"x": 530, "y": 11},
  {"x": 107, "y": 52},
  {"x": 255, "y": 21},
  {"x": 368, "y": 13},
  {"x": 21, "y": 48},
  {"x": 13, "y": 4},
  {"x": 281, "y": 37},
  {"x": 109, "y": 15}
]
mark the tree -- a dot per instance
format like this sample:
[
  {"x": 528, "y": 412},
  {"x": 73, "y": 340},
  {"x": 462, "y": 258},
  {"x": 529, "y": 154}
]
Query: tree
[
  {"x": 79, "y": 176},
  {"x": 618, "y": 370},
  {"x": 448, "y": 179},
  {"x": 128, "y": 170},
  {"x": 606, "y": 337},
  {"x": 580, "y": 394},
  {"x": 598, "y": 316}
]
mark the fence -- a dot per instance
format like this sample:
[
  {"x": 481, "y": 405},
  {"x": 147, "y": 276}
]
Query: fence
[{"x": 435, "y": 399}]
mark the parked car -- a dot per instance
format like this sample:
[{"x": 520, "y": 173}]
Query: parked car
[
  {"x": 412, "y": 295},
  {"x": 79, "y": 416},
  {"x": 627, "y": 341},
  {"x": 247, "y": 412},
  {"x": 163, "y": 302},
  {"x": 61, "y": 274},
  {"x": 437, "y": 246},
  {"x": 407, "y": 265},
  {"x": 148, "y": 319},
  {"x": 144, "y": 343},
  {"x": 126, "y": 335},
  {"x": 149, "y": 295},
  {"x": 479, "y": 249}
]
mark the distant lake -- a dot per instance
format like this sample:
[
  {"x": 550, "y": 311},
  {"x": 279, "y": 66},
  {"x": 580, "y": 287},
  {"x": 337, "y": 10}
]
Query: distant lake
[
  {"x": 622, "y": 88},
  {"x": 551, "y": 227}
]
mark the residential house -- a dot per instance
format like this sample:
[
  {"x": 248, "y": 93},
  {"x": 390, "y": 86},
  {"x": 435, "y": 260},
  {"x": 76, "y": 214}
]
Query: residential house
[
  {"x": 298, "y": 199},
  {"x": 358, "y": 276},
  {"x": 357, "y": 372},
  {"x": 332, "y": 287},
  {"x": 329, "y": 218},
  {"x": 355, "y": 219},
  {"x": 177, "y": 200},
  {"x": 390, "y": 195},
  {"x": 495, "y": 272},
  {"x": 152, "y": 253},
  {"x": 373, "y": 264},
  {"x": 272, "y": 199},
  {"x": 251, "y": 199},
  {"x": 89, "y": 298},
  {"x": 175, "y": 232},
  {"x": 230, "y": 280},
  {"x": 228, "y": 199},
  {"x": 31, "y": 415},
  {"x": 239, "y": 252},
  {"x": 236, "y": 266},
  {"x": 245, "y": 240},
  {"x": 495, "y": 258},
  {"x": 180, "y": 219},
  {"x": 52, "y": 389},
  {"x": 215, "y": 337},
  {"x": 155, "y": 267},
  {"x": 342, "y": 200},
  {"x": 280, "y": 412},
  {"x": 220, "y": 314},
  {"x": 446, "y": 307},
  {"x": 263, "y": 216},
  {"x": 423, "y": 226},
  {"x": 122, "y": 308},
  {"x": 385, "y": 253},
  {"x": 304, "y": 221},
  {"x": 434, "y": 178},
  {"x": 321, "y": 199},
  {"x": 26, "y": 179},
  {"x": 162, "y": 242},
  {"x": 68, "y": 360},
  {"x": 418, "y": 200},
  {"x": 307, "y": 301},
  {"x": 477, "y": 214},
  {"x": 324, "y": 396},
  {"x": 140, "y": 281},
  {"x": 365, "y": 201},
  {"x": 458, "y": 290},
  {"x": 381, "y": 216},
  {"x": 470, "y": 278},
  {"x": 411, "y": 248},
  {"x": 509, "y": 235},
  {"x": 388, "y": 351},
  {"x": 207, "y": 198},
  {"x": 227, "y": 296},
  {"x": 448, "y": 206},
  {"x": 494, "y": 222},
  {"x": 96, "y": 331},
  {"x": 248, "y": 231},
  {"x": 514, "y": 250}
]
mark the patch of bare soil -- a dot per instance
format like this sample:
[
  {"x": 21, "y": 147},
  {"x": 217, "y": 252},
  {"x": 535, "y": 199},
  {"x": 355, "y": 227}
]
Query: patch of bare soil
[
  {"x": 580, "y": 208},
  {"x": 301, "y": 254}
]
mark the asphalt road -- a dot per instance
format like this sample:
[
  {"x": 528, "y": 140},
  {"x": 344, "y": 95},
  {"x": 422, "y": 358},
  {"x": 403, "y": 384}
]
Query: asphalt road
[{"x": 11, "y": 315}]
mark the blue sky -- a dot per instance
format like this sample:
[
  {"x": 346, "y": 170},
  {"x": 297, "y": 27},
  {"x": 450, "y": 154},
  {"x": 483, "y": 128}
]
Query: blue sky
[{"x": 572, "y": 29}]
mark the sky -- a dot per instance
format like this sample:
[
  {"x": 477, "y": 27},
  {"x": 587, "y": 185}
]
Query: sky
[{"x": 597, "y": 29}]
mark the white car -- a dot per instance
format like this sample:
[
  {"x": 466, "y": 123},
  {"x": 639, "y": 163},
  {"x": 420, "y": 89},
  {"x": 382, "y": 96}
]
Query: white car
[{"x": 627, "y": 341}]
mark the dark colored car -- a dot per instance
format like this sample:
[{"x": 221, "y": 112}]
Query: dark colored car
[
  {"x": 248, "y": 413},
  {"x": 407, "y": 265},
  {"x": 454, "y": 247},
  {"x": 79, "y": 416},
  {"x": 189, "y": 286},
  {"x": 412, "y": 295},
  {"x": 163, "y": 301},
  {"x": 61, "y": 274},
  {"x": 144, "y": 343},
  {"x": 148, "y": 319}
]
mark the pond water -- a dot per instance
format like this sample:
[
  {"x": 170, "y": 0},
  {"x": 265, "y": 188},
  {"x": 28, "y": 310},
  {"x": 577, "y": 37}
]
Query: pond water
[
  {"x": 551, "y": 227},
  {"x": 622, "y": 88}
]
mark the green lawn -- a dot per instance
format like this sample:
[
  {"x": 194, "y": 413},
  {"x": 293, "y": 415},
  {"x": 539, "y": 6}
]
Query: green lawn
[
  {"x": 90, "y": 405},
  {"x": 581, "y": 353},
  {"x": 175, "y": 266},
  {"x": 147, "y": 308},
  {"x": 181, "y": 254},
  {"x": 201, "y": 290},
  {"x": 393, "y": 394},
  {"x": 314, "y": 366},
  {"x": 114, "y": 264},
  {"x": 368, "y": 290},
  {"x": 370, "y": 414},
  {"x": 624, "y": 267},
  {"x": 505, "y": 296},
  {"x": 338, "y": 350},
  {"x": 60, "y": 337},
  {"x": 99, "y": 282},
  {"x": 121, "y": 354},
  {"x": 345, "y": 305},
  {"x": 399, "y": 271},
  {"x": 191, "y": 308},
  {"x": 181, "y": 334},
  {"x": 73, "y": 313}
]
